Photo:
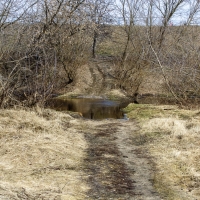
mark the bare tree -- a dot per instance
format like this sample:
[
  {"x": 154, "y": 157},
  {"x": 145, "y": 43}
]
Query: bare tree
[
  {"x": 39, "y": 48},
  {"x": 151, "y": 44},
  {"x": 132, "y": 60},
  {"x": 171, "y": 46},
  {"x": 43, "y": 42},
  {"x": 100, "y": 15},
  {"x": 12, "y": 13}
]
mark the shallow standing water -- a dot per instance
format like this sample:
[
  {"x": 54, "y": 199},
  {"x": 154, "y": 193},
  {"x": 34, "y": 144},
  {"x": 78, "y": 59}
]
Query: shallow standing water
[{"x": 91, "y": 108}]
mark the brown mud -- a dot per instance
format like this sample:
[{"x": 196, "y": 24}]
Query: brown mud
[{"x": 116, "y": 168}]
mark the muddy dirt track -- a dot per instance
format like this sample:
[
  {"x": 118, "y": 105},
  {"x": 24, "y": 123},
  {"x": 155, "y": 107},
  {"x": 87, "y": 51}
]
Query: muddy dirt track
[{"x": 115, "y": 167}]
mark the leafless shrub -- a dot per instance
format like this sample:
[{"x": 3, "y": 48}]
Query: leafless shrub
[{"x": 39, "y": 49}]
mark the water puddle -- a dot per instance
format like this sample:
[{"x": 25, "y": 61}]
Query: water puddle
[{"x": 91, "y": 108}]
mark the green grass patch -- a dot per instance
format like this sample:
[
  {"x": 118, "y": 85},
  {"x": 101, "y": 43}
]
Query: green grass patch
[
  {"x": 148, "y": 111},
  {"x": 142, "y": 111}
]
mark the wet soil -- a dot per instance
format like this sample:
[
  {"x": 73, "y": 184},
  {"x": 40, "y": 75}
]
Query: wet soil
[{"x": 116, "y": 168}]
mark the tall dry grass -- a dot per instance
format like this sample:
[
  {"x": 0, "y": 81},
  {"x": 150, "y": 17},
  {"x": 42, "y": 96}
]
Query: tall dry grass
[
  {"x": 41, "y": 154},
  {"x": 172, "y": 138},
  {"x": 177, "y": 153}
]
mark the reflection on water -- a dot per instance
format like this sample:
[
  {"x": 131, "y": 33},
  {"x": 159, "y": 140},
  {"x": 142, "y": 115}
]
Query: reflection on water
[{"x": 91, "y": 108}]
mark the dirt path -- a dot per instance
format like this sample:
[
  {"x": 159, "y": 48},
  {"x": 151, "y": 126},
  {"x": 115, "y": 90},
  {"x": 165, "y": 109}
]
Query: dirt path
[
  {"x": 115, "y": 167},
  {"x": 101, "y": 78},
  {"x": 98, "y": 80}
]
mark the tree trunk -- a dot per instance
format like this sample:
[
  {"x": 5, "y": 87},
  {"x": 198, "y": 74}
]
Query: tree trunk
[{"x": 94, "y": 45}]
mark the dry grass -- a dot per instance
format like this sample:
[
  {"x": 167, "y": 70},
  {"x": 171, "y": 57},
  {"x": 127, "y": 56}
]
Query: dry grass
[
  {"x": 172, "y": 137},
  {"x": 115, "y": 94},
  {"x": 177, "y": 153},
  {"x": 43, "y": 152},
  {"x": 41, "y": 155}
]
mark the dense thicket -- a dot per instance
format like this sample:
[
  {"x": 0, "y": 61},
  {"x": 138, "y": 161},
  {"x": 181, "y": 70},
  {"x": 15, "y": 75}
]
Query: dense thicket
[{"x": 43, "y": 42}]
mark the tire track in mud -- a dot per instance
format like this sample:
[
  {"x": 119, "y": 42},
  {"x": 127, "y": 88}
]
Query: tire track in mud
[
  {"x": 111, "y": 165},
  {"x": 98, "y": 79},
  {"x": 109, "y": 177},
  {"x": 101, "y": 79}
]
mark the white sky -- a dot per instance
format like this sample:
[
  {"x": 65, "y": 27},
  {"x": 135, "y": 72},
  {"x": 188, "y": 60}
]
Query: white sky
[{"x": 179, "y": 18}]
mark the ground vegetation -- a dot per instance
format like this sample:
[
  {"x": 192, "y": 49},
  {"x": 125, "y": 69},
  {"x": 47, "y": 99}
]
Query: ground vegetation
[{"x": 61, "y": 46}]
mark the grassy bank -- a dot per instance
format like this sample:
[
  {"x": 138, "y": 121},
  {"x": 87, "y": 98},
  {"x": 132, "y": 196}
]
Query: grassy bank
[
  {"x": 172, "y": 138},
  {"x": 41, "y": 155}
]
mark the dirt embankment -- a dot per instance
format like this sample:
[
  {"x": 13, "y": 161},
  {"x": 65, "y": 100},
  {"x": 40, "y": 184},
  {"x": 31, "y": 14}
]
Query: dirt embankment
[{"x": 95, "y": 79}]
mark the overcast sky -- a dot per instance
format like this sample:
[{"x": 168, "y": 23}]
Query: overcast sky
[{"x": 179, "y": 18}]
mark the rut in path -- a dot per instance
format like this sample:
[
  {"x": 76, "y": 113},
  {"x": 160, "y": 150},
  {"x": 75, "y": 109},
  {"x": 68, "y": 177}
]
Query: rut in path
[
  {"x": 101, "y": 78},
  {"x": 115, "y": 168}
]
